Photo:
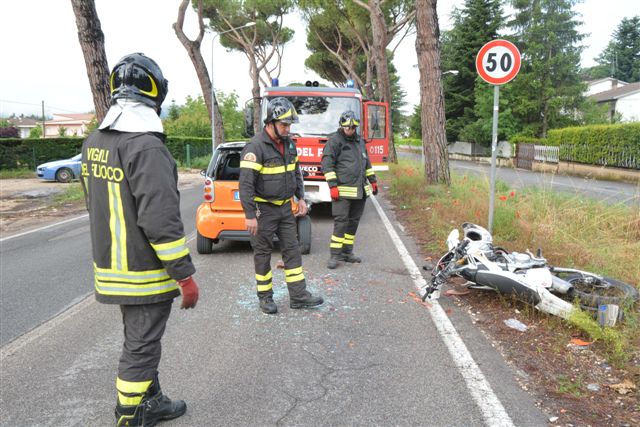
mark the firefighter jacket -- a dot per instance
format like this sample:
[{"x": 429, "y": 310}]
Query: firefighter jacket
[
  {"x": 266, "y": 175},
  {"x": 346, "y": 164},
  {"x": 138, "y": 242}
]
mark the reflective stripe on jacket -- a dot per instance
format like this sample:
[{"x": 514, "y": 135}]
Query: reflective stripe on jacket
[
  {"x": 138, "y": 241},
  {"x": 346, "y": 164},
  {"x": 267, "y": 175}
]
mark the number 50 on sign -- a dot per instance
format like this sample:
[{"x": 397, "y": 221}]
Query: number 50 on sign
[{"x": 498, "y": 62}]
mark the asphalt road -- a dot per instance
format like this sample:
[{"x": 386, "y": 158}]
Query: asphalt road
[
  {"x": 371, "y": 355},
  {"x": 46, "y": 272},
  {"x": 607, "y": 191}
]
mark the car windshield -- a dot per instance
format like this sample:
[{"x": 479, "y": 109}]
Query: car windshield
[{"x": 319, "y": 115}]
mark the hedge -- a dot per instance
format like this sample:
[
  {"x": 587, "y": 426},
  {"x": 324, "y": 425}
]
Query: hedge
[
  {"x": 521, "y": 139},
  {"x": 606, "y": 145},
  {"x": 30, "y": 152}
]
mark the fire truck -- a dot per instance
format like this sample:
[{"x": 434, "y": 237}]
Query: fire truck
[{"x": 319, "y": 109}]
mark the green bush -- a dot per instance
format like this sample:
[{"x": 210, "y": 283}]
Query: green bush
[
  {"x": 607, "y": 145},
  {"x": 409, "y": 141},
  {"x": 16, "y": 153},
  {"x": 523, "y": 139},
  {"x": 29, "y": 152}
]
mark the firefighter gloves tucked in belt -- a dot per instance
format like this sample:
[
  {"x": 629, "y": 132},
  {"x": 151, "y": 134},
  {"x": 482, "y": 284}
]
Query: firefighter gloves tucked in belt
[
  {"x": 335, "y": 194},
  {"x": 190, "y": 292}
]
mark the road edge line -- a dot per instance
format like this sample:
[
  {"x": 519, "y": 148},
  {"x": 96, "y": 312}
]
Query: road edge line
[
  {"x": 487, "y": 402},
  {"x": 43, "y": 228}
]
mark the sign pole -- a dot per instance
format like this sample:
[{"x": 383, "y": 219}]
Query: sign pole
[
  {"x": 497, "y": 63},
  {"x": 494, "y": 153}
]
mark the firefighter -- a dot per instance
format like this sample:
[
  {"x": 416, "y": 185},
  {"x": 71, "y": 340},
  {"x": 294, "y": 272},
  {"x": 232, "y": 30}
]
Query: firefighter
[
  {"x": 269, "y": 178},
  {"x": 140, "y": 257},
  {"x": 347, "y": 169}
]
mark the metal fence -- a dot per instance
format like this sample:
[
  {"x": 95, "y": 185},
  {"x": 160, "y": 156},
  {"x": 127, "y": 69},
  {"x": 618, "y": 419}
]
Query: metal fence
[
  {"x": 613, "y": 157},
  {"x": 544, "y": 153}
]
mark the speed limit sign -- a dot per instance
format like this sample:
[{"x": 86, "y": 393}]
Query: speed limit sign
[{"x": 498, "y": 62}]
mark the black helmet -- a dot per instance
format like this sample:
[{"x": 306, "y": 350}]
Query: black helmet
[
  {"x": 139, "y": 78},
  {"x": 281, "y": 109},
  {"x": 349, "y": 118}
]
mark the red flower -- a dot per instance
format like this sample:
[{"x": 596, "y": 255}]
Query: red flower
[
  {"x": 503, "y": 198},
  {"x": 512, "y": 194}
]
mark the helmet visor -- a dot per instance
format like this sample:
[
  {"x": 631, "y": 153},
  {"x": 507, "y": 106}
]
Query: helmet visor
[{"x": 349, "y": 122}]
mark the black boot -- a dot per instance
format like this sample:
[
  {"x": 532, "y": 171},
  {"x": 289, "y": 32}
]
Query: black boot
[
  {"x": 305, "y": 301},
  {"x": 267, "y": 305},
  {"x": 349, "y": 257},
  {"x": 333, "y": 261},
  {"x": 154, "y": 407}
]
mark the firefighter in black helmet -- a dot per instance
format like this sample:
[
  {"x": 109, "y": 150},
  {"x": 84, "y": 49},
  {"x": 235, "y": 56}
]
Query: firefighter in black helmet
[
  {"x": 140, "y": 257},
  {"x": 347, "y": 169},
  {"x": 269, "y": 178}
]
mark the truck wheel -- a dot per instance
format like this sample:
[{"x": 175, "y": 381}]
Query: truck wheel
[
  {"x": 304, "y": 234},
  {"x": 204, "y": 244}
]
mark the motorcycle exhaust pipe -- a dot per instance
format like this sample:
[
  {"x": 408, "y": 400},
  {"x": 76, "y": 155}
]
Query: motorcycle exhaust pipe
[{"x": 561, "y": 286}]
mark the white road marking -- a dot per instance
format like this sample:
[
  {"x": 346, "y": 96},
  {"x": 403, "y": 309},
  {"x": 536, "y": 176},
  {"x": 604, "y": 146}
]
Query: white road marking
[
  {"x": 37, "y": 332},
  {"x": 44, "y": 228},
  {"x": 488, "y": 403}
]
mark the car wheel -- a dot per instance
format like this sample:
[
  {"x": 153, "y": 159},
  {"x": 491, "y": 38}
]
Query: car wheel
[
  {"x": 304, "y": 234},
  {"x": 64, "y": 175},
  {"x": 203, "y": 244}
]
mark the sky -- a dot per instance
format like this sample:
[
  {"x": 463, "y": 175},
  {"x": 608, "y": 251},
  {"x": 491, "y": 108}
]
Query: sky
[{"x": 42, "y": 59}]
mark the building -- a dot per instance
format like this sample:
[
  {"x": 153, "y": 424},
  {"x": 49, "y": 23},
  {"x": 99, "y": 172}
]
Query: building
[
  {"x": 24, "y": 125},
  {"x": 72, "y": 124},
  {"x": 622, "y": 98}
]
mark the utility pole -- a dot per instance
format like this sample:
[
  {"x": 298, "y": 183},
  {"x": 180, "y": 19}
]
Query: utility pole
[{"x": 43, "y": 120}]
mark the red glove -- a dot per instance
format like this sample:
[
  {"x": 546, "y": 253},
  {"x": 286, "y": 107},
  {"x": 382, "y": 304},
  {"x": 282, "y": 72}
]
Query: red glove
[
  {"x": 335, "y": 194},
  {"x": 374, "y": 186},
  {"x": 189, "y": 291}
]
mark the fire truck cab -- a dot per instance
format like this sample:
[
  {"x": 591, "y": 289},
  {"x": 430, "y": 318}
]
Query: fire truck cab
[{"x": 319, "y": 110}]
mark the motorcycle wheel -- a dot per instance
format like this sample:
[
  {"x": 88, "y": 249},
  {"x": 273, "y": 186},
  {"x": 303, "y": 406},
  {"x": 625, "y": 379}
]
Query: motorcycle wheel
[{"x": 592, "y": 292}]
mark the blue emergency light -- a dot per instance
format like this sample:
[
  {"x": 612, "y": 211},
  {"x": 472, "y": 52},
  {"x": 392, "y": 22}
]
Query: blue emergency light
[
  {"x": 275, "y": 82},
  {"x": 351, "y": 83}
]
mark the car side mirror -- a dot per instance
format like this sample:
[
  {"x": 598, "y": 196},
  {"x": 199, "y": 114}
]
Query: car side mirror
[{"x": 203, "y": 172}]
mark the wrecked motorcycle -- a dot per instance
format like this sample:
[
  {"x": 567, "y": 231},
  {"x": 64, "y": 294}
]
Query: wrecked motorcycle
[{"x": 529, "y": 277}]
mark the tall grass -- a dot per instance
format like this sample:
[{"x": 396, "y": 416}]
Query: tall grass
[
  {"x": 572, "y": 231},
  {"x": 17, "y": 173}
]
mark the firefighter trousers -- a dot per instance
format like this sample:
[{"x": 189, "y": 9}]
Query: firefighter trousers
[
  {"x": 346, "y": 217},
  {"x": 143, "y": 329},
  {"x": 279, "y": 221}
]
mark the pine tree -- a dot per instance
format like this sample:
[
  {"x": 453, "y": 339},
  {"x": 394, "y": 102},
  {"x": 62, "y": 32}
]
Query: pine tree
[
  {"x": 474, "y": 25},
  {"x": 548, "y": 88},
  {"x": 621, "y": 58}
]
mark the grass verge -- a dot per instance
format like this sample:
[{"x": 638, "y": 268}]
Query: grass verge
[
  {"x": 72, "y": 194},
  {"x": 17, "y": 173},
  {"x": 572, "y": 232}
]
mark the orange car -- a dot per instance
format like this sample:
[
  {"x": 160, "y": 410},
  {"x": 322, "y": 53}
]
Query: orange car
[{"x": 220, "y": 215}]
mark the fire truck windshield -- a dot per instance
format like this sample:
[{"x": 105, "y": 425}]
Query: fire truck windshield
[{"x": 319, "y": 115}]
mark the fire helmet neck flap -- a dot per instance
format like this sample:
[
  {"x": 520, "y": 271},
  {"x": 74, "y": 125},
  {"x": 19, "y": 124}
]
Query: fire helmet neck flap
[{"x": 137, "y": 77}]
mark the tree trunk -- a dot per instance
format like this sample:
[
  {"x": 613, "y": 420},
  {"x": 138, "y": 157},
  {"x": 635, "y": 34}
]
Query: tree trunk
[
  {"x": 193, "y": 50},
  {"x": 379, "y": 52},
  {"x": 91, "y": 40},
  {"x": 434, "y": 141},
  {"x": 255, "y": 93}
]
